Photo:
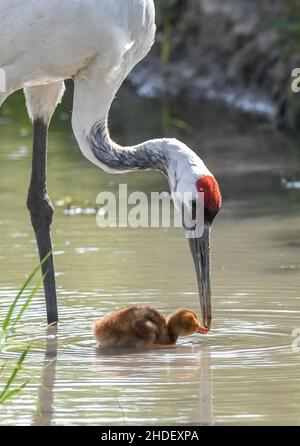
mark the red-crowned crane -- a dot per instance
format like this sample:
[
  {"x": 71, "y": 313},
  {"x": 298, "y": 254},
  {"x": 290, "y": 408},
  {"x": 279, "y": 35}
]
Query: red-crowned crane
[{"x": 96, "y": 43}]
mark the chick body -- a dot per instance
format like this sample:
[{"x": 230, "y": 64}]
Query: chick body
[{"x": 144, "y": 326}]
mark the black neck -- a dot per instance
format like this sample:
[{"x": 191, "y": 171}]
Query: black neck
[{"x": 150, "y": 155}]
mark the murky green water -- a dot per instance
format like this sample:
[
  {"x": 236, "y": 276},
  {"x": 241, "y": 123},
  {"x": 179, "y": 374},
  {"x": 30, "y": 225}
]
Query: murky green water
[{"x": 244, "y": 371}]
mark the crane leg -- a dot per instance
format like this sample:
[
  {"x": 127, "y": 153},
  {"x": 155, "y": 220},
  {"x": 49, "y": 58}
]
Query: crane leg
[
  {"x": 41, "y": 213},
  {"x": 41, "y": 103}
]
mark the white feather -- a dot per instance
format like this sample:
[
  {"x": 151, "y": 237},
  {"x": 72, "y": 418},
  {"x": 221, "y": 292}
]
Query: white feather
[{"x": 97, "y": 43}]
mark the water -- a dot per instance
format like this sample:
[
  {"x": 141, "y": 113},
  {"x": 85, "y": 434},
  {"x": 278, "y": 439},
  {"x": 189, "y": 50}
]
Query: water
[{"x": 244, "y": 371}]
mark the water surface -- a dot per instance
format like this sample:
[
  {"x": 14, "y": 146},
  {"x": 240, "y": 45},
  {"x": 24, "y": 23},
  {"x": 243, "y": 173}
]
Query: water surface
[{"x": 244, "y": 371}]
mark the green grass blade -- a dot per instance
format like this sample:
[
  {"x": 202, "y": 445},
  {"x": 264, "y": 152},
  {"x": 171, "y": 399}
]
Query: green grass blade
[
  {"x": 3, "y": 338},
  {"x": 11, "y": 393},
  {"x": 180, "y": 124},
  {"x": 3, "y": 367},
  {"x": 24, "y": 286},
  {"x": 14, "y": 372},
  {"x": 28, "y": 300}
]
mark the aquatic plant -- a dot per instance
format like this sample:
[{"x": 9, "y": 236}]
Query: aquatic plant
[
  {"x": 7, "y": 330},
  {"x": 170, "y": 121},
  {"x": 167, "y": 12},
  {"x": 288, "y": 27},
  {"x": 9, "y": 389}
]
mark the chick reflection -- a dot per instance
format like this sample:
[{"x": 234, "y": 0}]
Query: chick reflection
[{"x": 171, "y": 386}]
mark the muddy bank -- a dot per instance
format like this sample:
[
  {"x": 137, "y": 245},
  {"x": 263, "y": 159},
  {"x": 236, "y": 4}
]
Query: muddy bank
[{"x": 224, "y": 50}]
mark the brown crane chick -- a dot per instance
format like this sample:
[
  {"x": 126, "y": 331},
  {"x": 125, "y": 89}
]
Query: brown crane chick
[{"x": 145, "y": 327}]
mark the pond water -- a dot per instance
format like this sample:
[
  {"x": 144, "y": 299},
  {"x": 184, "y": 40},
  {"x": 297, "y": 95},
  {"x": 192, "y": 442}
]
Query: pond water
[{"x": 244, "y": 371}]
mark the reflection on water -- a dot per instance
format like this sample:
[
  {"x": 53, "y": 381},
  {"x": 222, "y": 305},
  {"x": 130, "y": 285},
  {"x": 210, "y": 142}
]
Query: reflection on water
[
  {"x": 244, "y": 371},
  {"x": 46, "y": 389}
]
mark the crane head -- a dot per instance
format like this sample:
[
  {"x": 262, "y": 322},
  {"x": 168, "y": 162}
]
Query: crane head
[{"x": 198, "y": 213}]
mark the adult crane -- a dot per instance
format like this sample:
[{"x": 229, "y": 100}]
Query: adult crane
[{"x": 96, "y": 43}]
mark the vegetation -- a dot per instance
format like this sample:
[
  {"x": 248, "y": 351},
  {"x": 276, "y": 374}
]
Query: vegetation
[
  {"x": 289, "y": 28},
  {"x": 168, "y": 12},
  {"x": 7, "y": 330},
  {"x": 177, "y": 26},
  {"x": 287, "y": 25}
]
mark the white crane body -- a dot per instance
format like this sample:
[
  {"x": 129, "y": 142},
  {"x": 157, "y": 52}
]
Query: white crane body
[
  {"x": 95, "y": 42},
  {"x": 44, "y": 41}
]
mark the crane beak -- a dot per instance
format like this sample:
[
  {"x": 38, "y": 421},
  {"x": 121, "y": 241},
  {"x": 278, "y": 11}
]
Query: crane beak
[{"x": 201, "y": 254}]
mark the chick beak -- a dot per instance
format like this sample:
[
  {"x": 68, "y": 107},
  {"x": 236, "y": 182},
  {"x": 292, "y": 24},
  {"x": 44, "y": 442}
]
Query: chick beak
[{"x": 201, "y": 330}]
